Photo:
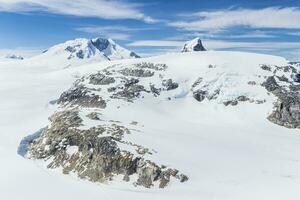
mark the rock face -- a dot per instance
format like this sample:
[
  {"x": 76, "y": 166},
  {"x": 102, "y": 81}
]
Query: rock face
[
  {"x": 287, "y": 108},
  {"x": 193, "y": 45},
  {"x": 101, "y": 151}
]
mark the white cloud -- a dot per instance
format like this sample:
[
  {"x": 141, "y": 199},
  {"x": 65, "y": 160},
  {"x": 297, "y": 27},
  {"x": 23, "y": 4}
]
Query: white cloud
[
  {"x": 219, "y": 44},
  {"x": 99, "y": 29},
  {"x": 294, "y": 33},
  {"x": 114, "y": 32},
  {"x": 107, "y": 9},
  {"x": 272, "y": 17},
  {"x": 157, "y": 43},
  {"x": 255, "y": 34},
  {"x": 287, "y": 49}
]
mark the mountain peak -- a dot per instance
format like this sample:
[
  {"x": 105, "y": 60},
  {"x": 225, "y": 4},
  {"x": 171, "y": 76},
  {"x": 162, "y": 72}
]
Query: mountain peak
[
  {"x": 83, "y": 51},
  {"x": 193, "y": 45}
]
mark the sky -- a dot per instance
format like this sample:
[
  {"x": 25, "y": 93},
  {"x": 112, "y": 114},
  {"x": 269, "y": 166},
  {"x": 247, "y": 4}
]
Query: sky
[{"x": 151, "y": 27}]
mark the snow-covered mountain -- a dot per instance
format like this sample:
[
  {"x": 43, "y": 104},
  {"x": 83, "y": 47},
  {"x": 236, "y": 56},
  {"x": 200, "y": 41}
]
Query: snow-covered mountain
[
  {"x": 82, "y": 51},
  {"x": 209, "y": 125},
  {"x": 193, "y": 45},
  {"x": 13, "y": 56}
]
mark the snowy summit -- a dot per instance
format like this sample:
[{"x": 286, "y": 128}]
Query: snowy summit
[{"x": 193, "y": 45}]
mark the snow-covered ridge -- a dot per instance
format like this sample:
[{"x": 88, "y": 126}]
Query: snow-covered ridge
[
  {"x": 88, "y": 116},
  {"x": 227, "y": 151}
]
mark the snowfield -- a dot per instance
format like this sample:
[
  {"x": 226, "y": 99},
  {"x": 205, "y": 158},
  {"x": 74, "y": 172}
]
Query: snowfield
[{"x": 228, "y": 152}]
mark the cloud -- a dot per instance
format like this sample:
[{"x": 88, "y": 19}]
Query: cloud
[
  {"x": 287, "y": 49},
  {"x": 114, "y": 32},
  {"x": 270, "y": 46},
  {"x": 272, "y": 17},
  {"x": 99, "y": 29},
  {"x": 294, "y": 33},
  {"x": 157, "y": 43},
  {"x": 255, "y": 34},
  {"x": 106, "y": 9}
]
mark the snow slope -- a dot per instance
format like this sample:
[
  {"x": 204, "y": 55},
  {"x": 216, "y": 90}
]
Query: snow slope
[{"x": 230, "y": 152}]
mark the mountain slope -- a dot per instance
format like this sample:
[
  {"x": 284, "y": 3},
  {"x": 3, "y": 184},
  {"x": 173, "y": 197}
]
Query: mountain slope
[{"x": 228, "y": 151}]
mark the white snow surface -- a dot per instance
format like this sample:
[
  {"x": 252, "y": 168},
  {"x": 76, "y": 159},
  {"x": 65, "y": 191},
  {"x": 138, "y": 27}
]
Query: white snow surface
[{"x": 230, "y": 152}]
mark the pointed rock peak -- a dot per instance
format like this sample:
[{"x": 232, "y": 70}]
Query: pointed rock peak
[{"x": 193, "y": 45}]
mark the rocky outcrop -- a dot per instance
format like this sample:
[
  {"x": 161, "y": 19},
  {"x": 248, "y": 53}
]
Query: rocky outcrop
[{"x": 94, "y": 153}]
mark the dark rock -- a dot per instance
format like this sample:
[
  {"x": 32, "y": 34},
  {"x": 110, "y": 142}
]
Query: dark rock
[
  {"x": 132, "y": 54},
  {"x": 197, "y": 82},
  {"x": 157, "y": 67},
  {"x": 270, "y": 84},
  {"x": 136, "y": 72},
  {"x": 199, "y": 95},
  {"x": 93, "y": 116},
  {"x": 130, "y": 91},
  {"x": 296, "y": 77},
  {"x": 80, "y": 54},
  {"x": 251, "y": 83},
  {"x": 70, "y": 49},
  {"x": 101, "y": 79},
  {"x": 243, "y": 98},
  {"x": 283, "y": 78},
  {"x": 183, "y": 178},
  {"x": 265, "y": 67},
  {"x": 100, "y": 43},
  {"x": 232, "y": 103},
  {"x": 169, "y": 84},
  {"x": 148, "y": 172},
  {"x": 126, "y": 178},
  {"x": 287, "y": 111},
  {"x": 154, "y": 90},
  {"x": 79, "y": 95}
]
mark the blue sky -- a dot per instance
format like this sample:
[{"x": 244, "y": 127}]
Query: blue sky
[{"x": 153, "y": 27}]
